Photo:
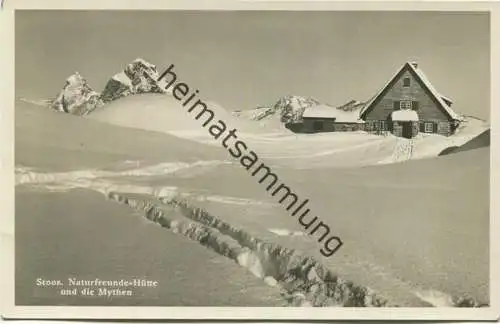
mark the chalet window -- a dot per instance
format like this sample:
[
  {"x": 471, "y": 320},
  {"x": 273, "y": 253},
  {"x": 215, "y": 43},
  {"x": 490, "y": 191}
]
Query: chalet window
[
  {"x": 395, "y": 105},
  {"x": 405, "y": 104},
  {"x": 414, "y": 105},
  {"x": 429, "y": 127},
  {"x": 406, "y": 82}
]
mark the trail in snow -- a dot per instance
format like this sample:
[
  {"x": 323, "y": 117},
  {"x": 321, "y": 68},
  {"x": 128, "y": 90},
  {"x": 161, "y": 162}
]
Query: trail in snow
[
  {"x": 101, "y": 181},
  {"x": 274, "y": 264},
  {"x": 26, "y": 175},
  {"x": 303, "y": 280},
  {"x": 403, "y": 151},
  {"x": 105, "y": 186}
]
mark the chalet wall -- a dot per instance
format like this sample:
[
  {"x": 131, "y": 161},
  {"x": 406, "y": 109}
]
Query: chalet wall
[
  {"x": 445, "y": 128},
  {"x": 427, "y": 109},
  {"x": 310, "y": 125},
  {"x": 348, "y": 127},
  {"x": 328, "y": 125}
]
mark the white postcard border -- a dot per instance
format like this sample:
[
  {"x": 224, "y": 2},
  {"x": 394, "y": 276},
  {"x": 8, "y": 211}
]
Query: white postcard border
[{"x": 7, "y": 57}]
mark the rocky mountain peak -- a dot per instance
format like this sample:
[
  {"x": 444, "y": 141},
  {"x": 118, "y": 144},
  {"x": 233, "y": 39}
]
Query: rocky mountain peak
[
  {"x": 140, "y": 76},
  {"x": 291, "y": 108},
  {"x": 288, "y": 109},
  {"x": 138, "y": 66},
  {"x": 352, "y": 105},
  {"x": 76, "y": 97}
]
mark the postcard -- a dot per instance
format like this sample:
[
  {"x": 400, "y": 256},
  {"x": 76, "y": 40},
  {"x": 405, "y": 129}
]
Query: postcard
[{"x": 250, "y": 160}]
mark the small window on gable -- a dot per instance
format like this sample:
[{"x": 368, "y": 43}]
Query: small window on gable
[
  {"x": 406, "y": 82},
  {"x": 405, "y": 104}
]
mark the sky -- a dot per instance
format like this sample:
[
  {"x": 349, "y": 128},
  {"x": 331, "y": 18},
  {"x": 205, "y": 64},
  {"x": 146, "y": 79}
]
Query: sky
[{"x": 242, "y": 59}]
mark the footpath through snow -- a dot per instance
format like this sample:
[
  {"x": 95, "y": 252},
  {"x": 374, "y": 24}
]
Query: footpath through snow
[
  {"x": 303, "y": 280},
  {"x": 403, "y": 151}
]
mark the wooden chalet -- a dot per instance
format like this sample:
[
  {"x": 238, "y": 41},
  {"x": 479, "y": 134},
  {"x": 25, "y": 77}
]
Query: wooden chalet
[{"x": 409, "y": 104}]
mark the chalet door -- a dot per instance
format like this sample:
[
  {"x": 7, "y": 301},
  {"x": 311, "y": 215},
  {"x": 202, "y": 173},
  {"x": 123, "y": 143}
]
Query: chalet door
[{"x": 407, "y": 130}]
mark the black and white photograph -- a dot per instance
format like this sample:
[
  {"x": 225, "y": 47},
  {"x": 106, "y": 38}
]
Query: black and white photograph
[{"x": 248, "y": 159}]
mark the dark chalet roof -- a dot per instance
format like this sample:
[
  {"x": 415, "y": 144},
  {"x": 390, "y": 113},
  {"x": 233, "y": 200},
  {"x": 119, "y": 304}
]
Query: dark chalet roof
[{"x": 443, "y": 102}]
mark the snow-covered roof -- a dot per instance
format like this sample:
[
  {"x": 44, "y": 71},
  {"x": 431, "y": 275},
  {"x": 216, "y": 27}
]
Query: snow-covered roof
[
  {"x": 324, "y": 111},
  {"x": 319, "y": 111},
  {"x": 404, "y": 115},
  {"x": 434, "y": 92},
  {"x": 420, "y": 74}
]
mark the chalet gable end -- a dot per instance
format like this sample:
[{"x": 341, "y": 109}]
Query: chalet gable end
[{"x": 412, "y": 88}]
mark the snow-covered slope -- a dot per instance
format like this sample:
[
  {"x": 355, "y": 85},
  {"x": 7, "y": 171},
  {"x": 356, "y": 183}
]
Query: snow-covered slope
[
  {"x": 49, "y": 139},
  {"x": 37, "y": 102},
  {"x": 436, "y": 210},
  {"x": 163, "y": 113},
  {"x": 482, "y": 140},
  {"x": 77, "y": 97}
]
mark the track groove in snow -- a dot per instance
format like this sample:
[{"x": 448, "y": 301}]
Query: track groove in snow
[
  {"x": 305, "y": 282},
  {"x": 285, "y": 232}
]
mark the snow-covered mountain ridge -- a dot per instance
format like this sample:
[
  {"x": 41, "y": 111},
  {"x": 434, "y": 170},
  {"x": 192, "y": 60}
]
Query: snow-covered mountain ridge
[
  {"x": 289, "y": 109},
  {"x": 78, "y": 98}
]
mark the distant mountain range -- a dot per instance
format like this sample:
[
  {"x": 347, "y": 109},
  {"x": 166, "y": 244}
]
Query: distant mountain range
[
  {"x": 289, "y": 109},
  {"x": 77, "y": 97}
]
